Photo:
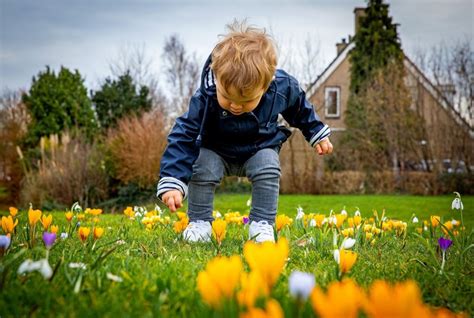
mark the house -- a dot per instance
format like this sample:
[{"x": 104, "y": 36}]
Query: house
[{"x": 449, "y": 137}]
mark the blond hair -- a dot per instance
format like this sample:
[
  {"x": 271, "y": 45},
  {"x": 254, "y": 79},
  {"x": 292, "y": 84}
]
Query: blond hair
[{"x": 245, "y": 59}]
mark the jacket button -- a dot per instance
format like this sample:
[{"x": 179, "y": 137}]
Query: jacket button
[{"x": 224, "y": 113}]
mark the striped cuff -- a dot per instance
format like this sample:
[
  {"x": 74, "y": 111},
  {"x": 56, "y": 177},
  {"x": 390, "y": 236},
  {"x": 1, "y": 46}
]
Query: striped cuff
[
  {"x": 320, "y": 135},
  {"x": 169, "y": 183}
]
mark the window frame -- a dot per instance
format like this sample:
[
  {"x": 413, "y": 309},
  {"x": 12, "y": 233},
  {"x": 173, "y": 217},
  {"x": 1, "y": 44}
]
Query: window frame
[{"x": 327, "y": 91}]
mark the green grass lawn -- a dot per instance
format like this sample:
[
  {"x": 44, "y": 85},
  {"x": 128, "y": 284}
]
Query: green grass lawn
[
  {"x": 159, "y": 270},
  {"x": 396, "y": 206}
]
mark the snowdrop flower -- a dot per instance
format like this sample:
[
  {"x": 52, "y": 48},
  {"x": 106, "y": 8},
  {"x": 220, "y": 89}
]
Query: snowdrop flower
[
  {"x": 343, "y": 211},
  {"x": 64, "y": 235},
  {"x": 300, "y": 213},
  {"x": 415, "y": 219},
  {"x": 348, "y": 243},
  {"x": 158, "y": 209},
  {"x": 332, "y": 220},
  {"x": 301, "y": 284},
  {"x": 312, "y": 223},
  {"x": 454, "y": 222},
  {"x": 218, "y": 214},
  {"x": 357, "y": 212},
  {"x": 114, "y": 278},
  {"x": 77, "y": 265},
  {"x": 41, "y": 266},
  {"x": 457, "y": 203},
  {"x": 249, "y": 201},
  {"x": 120, "y": 242},
  {"x": 76, "y": 207}
]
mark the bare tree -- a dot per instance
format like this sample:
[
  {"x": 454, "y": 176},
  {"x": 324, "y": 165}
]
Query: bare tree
[
  {"x": 182, "y": 73},
  {"x": 135, "y": 59},
  {"x": 304, "y": 63}
]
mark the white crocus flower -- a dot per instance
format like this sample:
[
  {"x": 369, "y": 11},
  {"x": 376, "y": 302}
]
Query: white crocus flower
[
  {"x": 249, "y": 201},
  {"x": 218, "y": 214},
  {"x": 357, "y": 212},
  {"x": 415, "y": 219},
  {"x": 312, "y": 223},
  {"x": 64, "y": 235},
  {"x": 454, "y": 222},
  {"x": 301, "y": 284},
  {"x": 114, "y": 278},
  {"x": 348, "y": 243},
  {"x": 41, "y": 266}
]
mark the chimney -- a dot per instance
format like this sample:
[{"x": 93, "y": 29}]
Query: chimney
[
  {"x": 341, "y": 46},
  {"x": 358, "y": 13}
]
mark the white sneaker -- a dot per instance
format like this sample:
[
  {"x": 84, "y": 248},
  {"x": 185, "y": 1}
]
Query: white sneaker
[
  {"x": 198, "y": 231},
  {"x": 261, "y": 232}
]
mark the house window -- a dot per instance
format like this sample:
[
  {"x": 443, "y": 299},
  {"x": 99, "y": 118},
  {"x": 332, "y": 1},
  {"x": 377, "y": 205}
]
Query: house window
[{"x": 332, "y": 98}]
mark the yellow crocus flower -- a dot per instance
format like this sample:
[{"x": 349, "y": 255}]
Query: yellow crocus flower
[
  {"x": 129, "y": 212},
  {"x": 342, "y": 299},
  {"x": 69, "y": 216},
  {"x": 219, "y": 229},
  {"x": 435, "y": 220},
  {"x": 181, "y": 215},
  {"x": 34, "y": 216},
  {"x": 13, "y": 211},
  {"x": 54, "y": 229},
  {"x": 281, "y": 221},
  {"x": 447, "y": 226},
  {"x": 357, "y": 220},
  {"x": 8, "y": 225},
  {"x": 347, "y": 259},
  {"x": 252, "y": 288},
  {"x": 95, "y": 212},
  {"x": 84, "y": 233},
  {"x": 400, "y": 300},
  {"x": 98, "y": 232},
  {"x": 350, "y": 222},
  {"x": 46, "y": 221},
  {"x": 340, "y": 218},
  {"x": 272, "y": 310},
  {"x": 267, "y": 258},
  {"x": 219, "y": 280},
  {"x": 180, "y": 225},
  {"x": 319, "y": 218}
]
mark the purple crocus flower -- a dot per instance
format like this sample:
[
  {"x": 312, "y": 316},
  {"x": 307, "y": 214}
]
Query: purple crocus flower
[
  {"x": 4, "y": 242},
  {"x": 48, "y": 239},
  {"x": 245, "y": 220},
  {"x": 444, "y": 243}
]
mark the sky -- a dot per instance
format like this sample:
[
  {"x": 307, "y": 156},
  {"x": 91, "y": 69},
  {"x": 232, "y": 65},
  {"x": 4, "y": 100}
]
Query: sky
[{"x": 87, "y": 35}]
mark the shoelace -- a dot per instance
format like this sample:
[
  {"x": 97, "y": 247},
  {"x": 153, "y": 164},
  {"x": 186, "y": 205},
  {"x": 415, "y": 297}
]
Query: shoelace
[
  {"x": 195, "y": 225},
  {"x": 265, "y": 228}
]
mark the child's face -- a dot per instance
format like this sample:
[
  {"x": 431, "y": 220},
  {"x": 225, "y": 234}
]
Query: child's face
[{"x": 232, "y": 101}]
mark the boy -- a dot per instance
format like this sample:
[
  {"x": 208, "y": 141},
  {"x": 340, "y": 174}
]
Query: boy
[{"x": 231, "y": 128}]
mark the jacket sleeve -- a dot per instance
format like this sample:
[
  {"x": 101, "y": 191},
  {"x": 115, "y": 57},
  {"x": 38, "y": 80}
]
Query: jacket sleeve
[
  {"x": 301, "y": 114},
  {"x": 176, "y": 166}
]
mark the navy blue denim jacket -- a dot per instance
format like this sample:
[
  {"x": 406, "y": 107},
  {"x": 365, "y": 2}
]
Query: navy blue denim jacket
[{"x": 235, "y": 138}]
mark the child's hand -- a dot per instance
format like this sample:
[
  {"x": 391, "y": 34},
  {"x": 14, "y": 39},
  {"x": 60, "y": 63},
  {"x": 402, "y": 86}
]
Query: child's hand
[
  {"x": 324, "y": 147},
  {"x": 173, "y": 199}
]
